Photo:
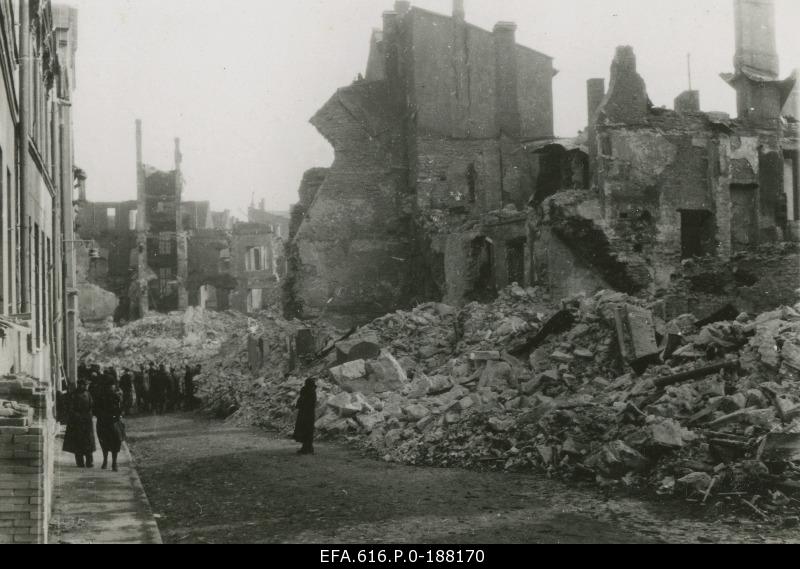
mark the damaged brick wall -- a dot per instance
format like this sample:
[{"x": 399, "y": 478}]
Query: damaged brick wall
[
  {"x": 209, "y": 267},
  {"x": 355, "y": 240},
  {"x": 754, "y": 281},
  {"x": 423, "y": 149},
  {"x": 256, "y": 286},
  {"x": 27, "y": 447}
]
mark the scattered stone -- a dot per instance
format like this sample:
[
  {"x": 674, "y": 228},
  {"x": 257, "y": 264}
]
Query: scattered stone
[
  {"x": 562, "y": 357},
  {"x": 349, "y": 371},
  {"x": 485, "y": 356},
  {"x": 696, "y": 482},
  {"x": 416, "y": 411}
]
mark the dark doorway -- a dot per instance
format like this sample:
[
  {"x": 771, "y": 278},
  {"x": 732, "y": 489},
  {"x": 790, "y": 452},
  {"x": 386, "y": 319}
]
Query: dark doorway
[
  {"x": 744, "y": 212},
  {"x": 482, "y": 269},
  {"x": 515, "y": 261},
  {"x": 697, "y": 233}
]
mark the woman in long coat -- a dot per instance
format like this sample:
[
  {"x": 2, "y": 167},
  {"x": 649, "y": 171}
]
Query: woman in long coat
[
  {"x": 79, "y": 439},
  {"x": 306, "y": 417},
  {"x": 108, "y": 409}
]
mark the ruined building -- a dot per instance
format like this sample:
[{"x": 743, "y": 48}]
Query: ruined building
[
  {"x": 38, "y": 301},
  {"x": 427, "y": 191},
  {"x": 676, "y": 189},
  {"x": 161, "y": 241},
  {"x": 448, "y": 183},
  {"x": 177, "y": 254}
]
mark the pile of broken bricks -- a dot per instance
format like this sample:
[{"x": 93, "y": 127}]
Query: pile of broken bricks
[{"x": 596, "y": 388}]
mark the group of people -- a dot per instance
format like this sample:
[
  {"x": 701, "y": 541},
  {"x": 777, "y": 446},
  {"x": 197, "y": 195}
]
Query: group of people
[
  {"x": 101, "y": 399},
  {"x": 109, "y": 396},
  {"x": 149, "y": 388}
]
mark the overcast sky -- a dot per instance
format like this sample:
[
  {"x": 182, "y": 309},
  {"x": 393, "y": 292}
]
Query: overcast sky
[{"x": 238, "y": 80}]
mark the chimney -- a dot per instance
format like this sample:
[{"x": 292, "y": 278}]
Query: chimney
[
  {"x": 178, "y": 155},
  {"x": 391, "y": 22},
  {"x": 626, "y": 100},
  {"x": 402, "y": 7},
  {"x": 595, "y": 93},
  {"x": 756, "y": 46},
  {"x": 80, "y": 176},
  {"x": 458, "y": 10},
  {"x": 760, "y": 96},
  {"x": 506, "y": 93}
]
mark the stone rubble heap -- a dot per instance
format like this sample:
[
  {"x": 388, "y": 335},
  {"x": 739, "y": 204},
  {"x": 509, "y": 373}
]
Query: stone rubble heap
[
  {"x": 176, "y": 339},
  {"x": 522, "y": 385}
]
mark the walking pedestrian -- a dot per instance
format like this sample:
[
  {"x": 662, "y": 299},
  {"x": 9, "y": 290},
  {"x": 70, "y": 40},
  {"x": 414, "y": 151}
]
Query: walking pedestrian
[
  {"x": 306, "y": 416},
  {"x": 79, "y": 438},
  {"x": 110, "y": 433}
]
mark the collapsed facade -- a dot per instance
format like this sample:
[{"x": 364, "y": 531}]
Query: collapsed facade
[
  {"x": 177, "y": 254},
  {"x": 427, "y": 145},
  {"x": 448, "y": 183},
  {"x": 680, "y": 192}
]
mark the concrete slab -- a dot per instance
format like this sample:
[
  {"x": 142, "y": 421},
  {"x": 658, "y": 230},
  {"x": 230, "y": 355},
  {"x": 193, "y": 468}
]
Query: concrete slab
[{"x": 92, "y": 505}]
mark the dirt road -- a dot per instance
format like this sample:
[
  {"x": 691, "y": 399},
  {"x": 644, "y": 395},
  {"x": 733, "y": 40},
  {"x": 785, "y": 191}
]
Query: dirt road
[{"x": 212, "y": 483}]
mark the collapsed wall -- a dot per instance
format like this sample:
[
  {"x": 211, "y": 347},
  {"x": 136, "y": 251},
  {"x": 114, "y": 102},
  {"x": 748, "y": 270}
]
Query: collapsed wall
[
  {"x": 669, "y": 188},
  {"x": 353, "y": 245}
]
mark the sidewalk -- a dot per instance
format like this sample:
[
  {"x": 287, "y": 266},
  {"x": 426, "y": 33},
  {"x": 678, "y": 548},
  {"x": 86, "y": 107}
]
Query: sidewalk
[{"x": 100, "y": 506}]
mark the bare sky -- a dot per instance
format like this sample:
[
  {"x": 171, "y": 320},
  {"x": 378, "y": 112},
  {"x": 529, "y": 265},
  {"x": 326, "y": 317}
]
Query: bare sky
[{"x": 238, "y": 80}]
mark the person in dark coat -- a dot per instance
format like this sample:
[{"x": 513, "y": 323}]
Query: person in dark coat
[
  {"x": 126, "y": 383},
  {"x": 141, "y": 393},
  {"x": 108, "y": 409},
  {"x": 188, "y": 388},
  {"x": 174, "y": 390},
  {"x": 159, "y": 387},
  {"x": 306, "y": 416},
  {"x": 95, "y": 382},
  {"x": 79, "y": 438}
]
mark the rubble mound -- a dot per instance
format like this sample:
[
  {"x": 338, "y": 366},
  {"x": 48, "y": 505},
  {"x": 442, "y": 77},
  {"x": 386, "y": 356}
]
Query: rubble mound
[
  {"x": 595, "y": 388},
  {"x": 178, "y": 338}
]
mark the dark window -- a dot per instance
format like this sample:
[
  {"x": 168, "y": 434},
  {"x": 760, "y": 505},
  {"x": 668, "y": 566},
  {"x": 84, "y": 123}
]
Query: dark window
[
  {"x": 47, "y": 291},
  {"x": 18, "y": 253},
  {"x": 472, "y": 183},
  {"x": 482, "y": 269},
  {"x": 164, "y": 279},
  {"x": 37, "y": 288},
  {"x": 697, "y": 233},
  {"x": 606, "y": 146},
  {"x": 515, "y": 261}
]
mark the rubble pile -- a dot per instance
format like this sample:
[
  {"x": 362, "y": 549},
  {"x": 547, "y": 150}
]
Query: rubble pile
[
  {"x": 598, "y": 388},
  {"x": 227, "y": 385},
  {"x": 178, "y": 338}
]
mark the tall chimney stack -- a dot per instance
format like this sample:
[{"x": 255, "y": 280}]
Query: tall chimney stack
[
  {"x": 759, "y": 93},
  {"x": 595, "y": 93},
  {"x": 402, "y": 7},
  {"x": 507, "y": 95},
  {"x": 756, "y": 46},
  {"x": 458, "y": 10}
]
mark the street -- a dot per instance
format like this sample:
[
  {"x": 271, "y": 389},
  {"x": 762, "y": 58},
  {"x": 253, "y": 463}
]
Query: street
[{"x": 209, "y": 482}]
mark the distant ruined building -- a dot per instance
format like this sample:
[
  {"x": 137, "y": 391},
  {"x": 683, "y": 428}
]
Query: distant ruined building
[
  {"x": 448, "y": 183},
  {"x": 176, "y": 253}
]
